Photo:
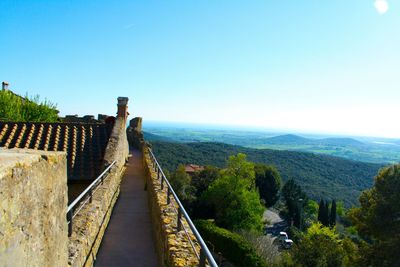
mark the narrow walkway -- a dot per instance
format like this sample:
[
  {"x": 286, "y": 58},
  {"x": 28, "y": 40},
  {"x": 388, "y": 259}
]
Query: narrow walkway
[{"x": 128, "y": 240}]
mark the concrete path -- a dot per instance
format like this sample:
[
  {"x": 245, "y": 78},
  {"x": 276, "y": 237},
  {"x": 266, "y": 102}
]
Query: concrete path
[{"x": 128, "y": 240}]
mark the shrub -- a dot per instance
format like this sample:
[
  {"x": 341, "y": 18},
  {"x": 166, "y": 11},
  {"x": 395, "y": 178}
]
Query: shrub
[
  {"x": 16, "y": 108},
  {"x": 232, "y": 246}
]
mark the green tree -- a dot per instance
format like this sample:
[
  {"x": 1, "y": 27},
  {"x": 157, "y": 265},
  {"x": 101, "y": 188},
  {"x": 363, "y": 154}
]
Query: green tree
[
  {"x": 310, "y": 213},
  {"x": 16, "y": 108},
  {"x": 294, "y": 195},
  {"x": 203, "y": 179},
  {"x": 378, "y": 218},
  {"x": 181, "y": 183},
  {"x": 268, "y": 182},
  {"x": 321, "y": 208},
  {"x": 237, "y": 203},
  {"x": 323, "y": 212},
  {"x": 319, "y": 247},
  {"x": 340, "y": 209},
  {"x": 332, "y": 214}
]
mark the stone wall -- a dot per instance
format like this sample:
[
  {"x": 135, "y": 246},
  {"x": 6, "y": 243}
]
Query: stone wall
[
  {"x": 33, "y": 205},
  {"x": 173, "y": 247},
  {"x": 90, "y": 223},
  {"x": 134, "y": 133}
]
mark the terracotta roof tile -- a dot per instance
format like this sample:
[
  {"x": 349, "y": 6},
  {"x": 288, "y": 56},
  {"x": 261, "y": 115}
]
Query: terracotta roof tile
[{"x": 85, "y": 143}]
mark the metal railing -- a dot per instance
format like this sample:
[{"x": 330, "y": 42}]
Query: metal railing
[
  {"x": 205, "y": 254},
  {"x": 84, "y": 197}
]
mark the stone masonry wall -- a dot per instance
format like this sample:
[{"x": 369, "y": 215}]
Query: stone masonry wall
[
  {"x": 90, "y": 223},
  {"x": 173, "y": 247},
  {"x": 33, "y": 204}
]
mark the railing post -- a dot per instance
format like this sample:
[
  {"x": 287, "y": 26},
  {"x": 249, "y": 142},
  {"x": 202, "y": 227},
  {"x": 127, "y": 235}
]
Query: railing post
[
  {"x": 162, "y": 182},
  {"x": 90, "y": 195},
  {"x": 69, "y": 219},
  {"x": 178, "y": 227},
  {"x": 168, "y": 198},
  {"x": 202, "y": 262}
]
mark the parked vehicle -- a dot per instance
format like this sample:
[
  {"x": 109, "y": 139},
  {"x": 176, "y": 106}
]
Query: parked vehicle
[
  {"x": 283, "y": 236},
  {"x": 288, "y": 243}
]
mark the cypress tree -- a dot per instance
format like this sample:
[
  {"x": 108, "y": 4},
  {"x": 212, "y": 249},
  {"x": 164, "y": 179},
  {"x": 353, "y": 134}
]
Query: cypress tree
[
  {"x": 320, "y": 210},
  {"x": 325, "y": 215},
  {"x": 332, "y": 217}
]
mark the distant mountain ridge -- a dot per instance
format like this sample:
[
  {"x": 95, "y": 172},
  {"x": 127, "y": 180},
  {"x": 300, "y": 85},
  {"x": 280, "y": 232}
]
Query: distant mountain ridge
[
  {"x": 321, "y": 176},
  {"x": 380, "y": 151},
  {"x": 288, "y": 139}
]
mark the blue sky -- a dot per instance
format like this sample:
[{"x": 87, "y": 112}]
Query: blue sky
[{"x": 323, "y": 66}]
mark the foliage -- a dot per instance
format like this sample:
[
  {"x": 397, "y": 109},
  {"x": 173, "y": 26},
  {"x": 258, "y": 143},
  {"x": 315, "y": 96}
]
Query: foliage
[
  {"x": 268, "y": 182},
  {"x": 367, "y": 151},
  {"x": 340, "y": 209},
  {"x": 264, "y": 245},
  {"x": 295, "y": 200},
  {"x": 323, "y": 213},
  {"x": 203, "y": 179},
  {"x": 16, "y": 108},
  {"x": 181, "y": 183},
  {"x": 332, "y": 214},
  {"x": 232, "y": 246},
  {"x": 319, "y": 247},
  {"x": 320, "y": 176},
  {"x": 378, "y": 218},
  {"x": 310, "y": 212},
  {"x": 237, "y": 203}
]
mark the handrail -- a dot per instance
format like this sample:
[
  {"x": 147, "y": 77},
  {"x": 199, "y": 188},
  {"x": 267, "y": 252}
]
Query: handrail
[
  {"x": 204, "y": 251},
  {"x": 88, "y": 191}
]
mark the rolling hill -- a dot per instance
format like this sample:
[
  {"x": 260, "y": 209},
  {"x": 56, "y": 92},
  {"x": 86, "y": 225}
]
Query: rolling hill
[
  {"x": 373, "y": 150},
  {"x": 321, "y": 176}
]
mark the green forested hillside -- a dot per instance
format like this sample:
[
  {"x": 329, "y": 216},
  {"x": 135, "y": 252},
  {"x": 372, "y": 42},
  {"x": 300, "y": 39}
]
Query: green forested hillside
[{"x": 321, "y": 176}]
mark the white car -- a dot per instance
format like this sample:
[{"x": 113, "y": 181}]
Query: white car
[
  {"x": 283, "y": 236},
  {"x": 288, "y": 243}
]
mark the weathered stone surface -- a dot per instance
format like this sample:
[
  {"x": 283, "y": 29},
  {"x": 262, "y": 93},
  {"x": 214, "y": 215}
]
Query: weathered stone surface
[
  {"x": 134, "y": 133},
  {"x": 173, "y": 247},
  {"x": 33, "y": 204},
  {"x": 90, "y": 223}
]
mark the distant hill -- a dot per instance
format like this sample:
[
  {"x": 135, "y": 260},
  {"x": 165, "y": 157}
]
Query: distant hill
[
  {"x": 321, "y": 176},
  {"x": 374, "y": 150},
  {"x": 287, "y": 139},
  {"x": 292, "y": 139},
  {"x": 155, "y": 137}
]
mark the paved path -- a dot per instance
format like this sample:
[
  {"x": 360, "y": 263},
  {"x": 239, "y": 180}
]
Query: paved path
[{"x": 128, "y": 240}]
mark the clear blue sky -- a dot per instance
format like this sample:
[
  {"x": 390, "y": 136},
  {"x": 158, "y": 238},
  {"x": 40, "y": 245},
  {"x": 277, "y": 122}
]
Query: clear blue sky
[{"x": 325, "y": 66}]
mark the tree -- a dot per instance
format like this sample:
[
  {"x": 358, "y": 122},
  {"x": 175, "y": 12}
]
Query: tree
[
  {"x": 332, "y": 214},
  {"x": 31, "y": 109},
  {"x": 295, "y": 200},
  {"x": 181, "y": 183},
  {"x": 320, "y": 246},
  {"x": 203, "y": 179},
  {"x": 378, "y": 217},
  {"x": 321, "y": 208},
  {"x": 323, "y": 212},
  {"x": 268, "y": 182},
  {"x": 310, "y": 212},
  {"x": 237, "y": 203}
]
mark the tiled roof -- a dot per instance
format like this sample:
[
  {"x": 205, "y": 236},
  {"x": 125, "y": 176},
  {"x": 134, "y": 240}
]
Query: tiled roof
[
  {"x": 192, "y": 168},
  {"x": 85, "y": 144}
]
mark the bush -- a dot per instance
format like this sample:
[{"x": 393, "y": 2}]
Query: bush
[
  {"x": 232, "y": 246},
  {"x": 16, "y": 108}
]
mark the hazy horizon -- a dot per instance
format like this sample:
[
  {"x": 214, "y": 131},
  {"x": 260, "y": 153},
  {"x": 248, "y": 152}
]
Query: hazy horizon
[
  {"x": 257, "y": 129},
  {"x": 324, "y": 67}
]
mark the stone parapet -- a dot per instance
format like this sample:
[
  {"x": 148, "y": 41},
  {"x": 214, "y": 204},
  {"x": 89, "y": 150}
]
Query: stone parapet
[
  {"x": 33, "y": 204},
  {"x": 173, "y": 247},
  {"x": 92, "y": 220}
]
